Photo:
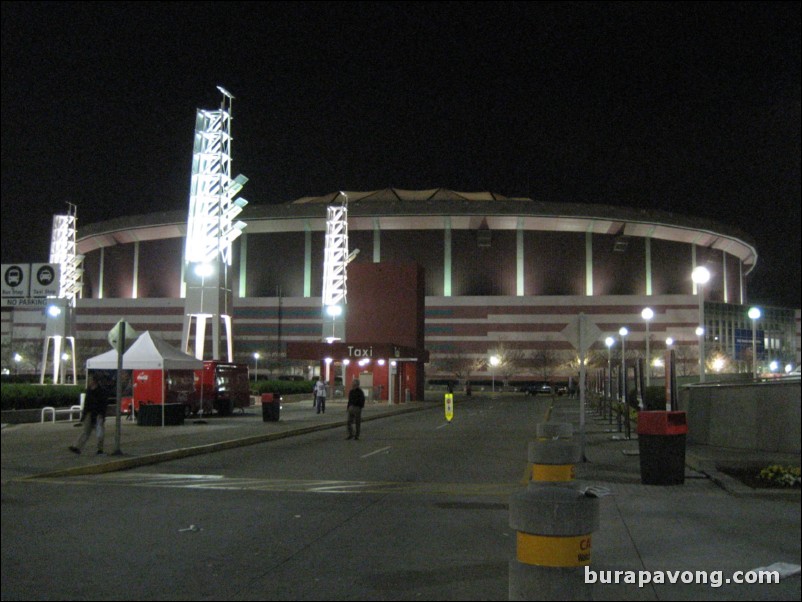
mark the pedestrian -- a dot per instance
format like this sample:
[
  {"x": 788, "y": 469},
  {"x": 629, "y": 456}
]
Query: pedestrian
[
  {"x": 356, "y": 401},
  {"x": 320, "y": 396},
  {"x": 93, "y": 415}
]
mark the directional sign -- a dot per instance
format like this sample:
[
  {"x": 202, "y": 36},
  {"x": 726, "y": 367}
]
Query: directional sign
[{"x": 449, "y": 406}]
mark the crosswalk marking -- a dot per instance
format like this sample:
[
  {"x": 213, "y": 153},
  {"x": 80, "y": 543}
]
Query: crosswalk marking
[{"x": 220, "y": 482}]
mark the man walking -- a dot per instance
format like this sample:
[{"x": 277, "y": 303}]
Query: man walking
[
  {"x": 94, "y": 415},
  {"x": 356, "y": 401}
]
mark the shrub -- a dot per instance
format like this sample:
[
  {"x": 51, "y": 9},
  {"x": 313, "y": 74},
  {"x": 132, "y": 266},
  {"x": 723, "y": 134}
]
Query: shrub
[
  {"x": 781, "y": 476},
  {"x": 16, "y": 396},
  {"x": 282, "y": 387}
]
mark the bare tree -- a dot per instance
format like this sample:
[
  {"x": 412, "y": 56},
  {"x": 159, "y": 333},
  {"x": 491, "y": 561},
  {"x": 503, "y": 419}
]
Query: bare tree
[
  {"x": 461, "y": 365},
  {"x": 542, "y": 362}
]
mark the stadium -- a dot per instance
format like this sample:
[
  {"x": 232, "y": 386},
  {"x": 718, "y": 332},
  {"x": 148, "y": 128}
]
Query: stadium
[{"x": 503, "y": 276}]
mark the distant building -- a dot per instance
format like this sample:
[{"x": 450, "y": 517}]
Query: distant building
[{"x": 500, "y": 274}]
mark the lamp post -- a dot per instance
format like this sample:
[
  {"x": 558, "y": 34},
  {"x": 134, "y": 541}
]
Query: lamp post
[
  {"x": 623, "y": 332},
  {"x": 609, "y": 341},
  {"x": 754, "y": 315},
  {"x": 17, "y": 360},
  {"x": 700, "y": 276},
  {"x": 494, "y": 361},
  {"x": 647, "y": 314},
  {"x": 255, "y": 365}
]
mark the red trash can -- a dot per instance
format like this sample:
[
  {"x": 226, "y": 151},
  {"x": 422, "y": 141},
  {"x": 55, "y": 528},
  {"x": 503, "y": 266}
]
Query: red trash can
[{"x": 661, "y": 441}]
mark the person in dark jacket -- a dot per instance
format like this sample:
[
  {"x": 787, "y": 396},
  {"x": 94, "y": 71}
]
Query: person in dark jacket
[
  {"x": 94, "y": 415},
  {"x": 356, "y": 401}
]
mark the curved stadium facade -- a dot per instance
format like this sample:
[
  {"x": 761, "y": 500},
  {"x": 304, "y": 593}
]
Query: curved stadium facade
[{"x": 499, "y": 272}]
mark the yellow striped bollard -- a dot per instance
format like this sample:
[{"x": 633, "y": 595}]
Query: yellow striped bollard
[
  {"x": 554, "y": 455},
  {"x": 554, "y": 525}
]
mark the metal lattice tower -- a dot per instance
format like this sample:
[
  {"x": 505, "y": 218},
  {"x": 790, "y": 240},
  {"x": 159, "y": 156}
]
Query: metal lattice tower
[
  {"x": 335, "y": 263},
  {"x": 211, "y": 230},
  {"x": 336, "y": 254},
  {"x": 59, "y": 325}
]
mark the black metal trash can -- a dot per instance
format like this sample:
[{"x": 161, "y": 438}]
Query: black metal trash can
[
  {"x": 271, "y": 407},
  {"x": 150, "y": 414},
  {"x": 661, "y": 441}
]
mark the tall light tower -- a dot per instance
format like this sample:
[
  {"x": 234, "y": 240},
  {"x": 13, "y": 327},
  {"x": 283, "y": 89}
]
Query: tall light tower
[
  {"x": 211, "y": 230},
  {"x": 59, "y": 324},
  {"x": 335, "y": 262}
]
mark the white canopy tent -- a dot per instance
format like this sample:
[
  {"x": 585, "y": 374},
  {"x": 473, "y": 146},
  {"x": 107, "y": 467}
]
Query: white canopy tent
[{"x": 148, "y": 352}]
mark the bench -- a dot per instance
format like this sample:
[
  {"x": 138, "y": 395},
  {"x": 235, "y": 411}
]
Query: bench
[{"x": 71, "y": 410}]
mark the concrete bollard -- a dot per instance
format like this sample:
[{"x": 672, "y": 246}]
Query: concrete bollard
[
  {"x": 554, "y": 455},
  {"x": 554, "y": 430},
  {"x": 554, "y": 523}
]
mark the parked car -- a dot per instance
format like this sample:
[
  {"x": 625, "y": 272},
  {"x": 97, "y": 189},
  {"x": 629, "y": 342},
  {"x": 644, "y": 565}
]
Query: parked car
[{"x": 539, "y": 389}]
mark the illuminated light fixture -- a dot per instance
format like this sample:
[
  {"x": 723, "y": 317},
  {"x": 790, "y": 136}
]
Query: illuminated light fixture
[
  {"x": 54, "y": 311},
  {"x": 346, "y": 361},
  {"x": 204, "y": 269},
  {"x": 334, "y": 310},
  {"x": 328, "y": 360},
  {"x": 669, "y": 342},
  {"x": 382, "y": 362}
]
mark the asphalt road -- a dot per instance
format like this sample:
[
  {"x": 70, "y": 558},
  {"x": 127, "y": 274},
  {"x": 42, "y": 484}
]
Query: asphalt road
[{"x": 416, "y": 509}]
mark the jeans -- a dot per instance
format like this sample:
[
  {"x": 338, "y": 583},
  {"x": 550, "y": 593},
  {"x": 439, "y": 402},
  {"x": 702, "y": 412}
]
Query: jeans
[
  {"x": 96, "y": 420},
  {"x": 354, "y": 418}
]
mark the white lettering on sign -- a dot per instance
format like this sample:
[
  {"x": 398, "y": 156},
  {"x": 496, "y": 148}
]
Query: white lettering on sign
[{"x": 360, "y": 351}]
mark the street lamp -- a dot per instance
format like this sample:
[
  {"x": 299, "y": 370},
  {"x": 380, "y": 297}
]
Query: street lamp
[
  {"x": 647, "y": 314},
  {"x": 754, "y": 315},
  {"x": 609, "y": 341},
  {"x": 17, "y": 360},
  {"x": 623, "y": 332},
  {"x": 700, "y": 276},
  {"x": 256, "y": 365},
  {"x": 494, "y": 361}
]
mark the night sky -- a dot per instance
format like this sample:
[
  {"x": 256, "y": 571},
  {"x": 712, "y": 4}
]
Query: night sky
[{"x": 685, "y": 107}]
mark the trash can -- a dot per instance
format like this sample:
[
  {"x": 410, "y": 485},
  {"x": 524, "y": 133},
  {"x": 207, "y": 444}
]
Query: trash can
[
  {"x": 271, "y": 407},
  {"x": 661, "y": 441},
  {"x": 150, "y": 414}
]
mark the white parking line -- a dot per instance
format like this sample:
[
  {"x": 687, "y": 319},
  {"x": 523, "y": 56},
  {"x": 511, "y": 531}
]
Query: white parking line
[{"x": 377, "y": 451}]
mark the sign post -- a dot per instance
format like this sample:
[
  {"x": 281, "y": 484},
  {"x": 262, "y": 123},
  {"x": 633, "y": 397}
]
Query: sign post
[
  {"x": 118, "y": 335},
  {"x": 582, "y": 333}
]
